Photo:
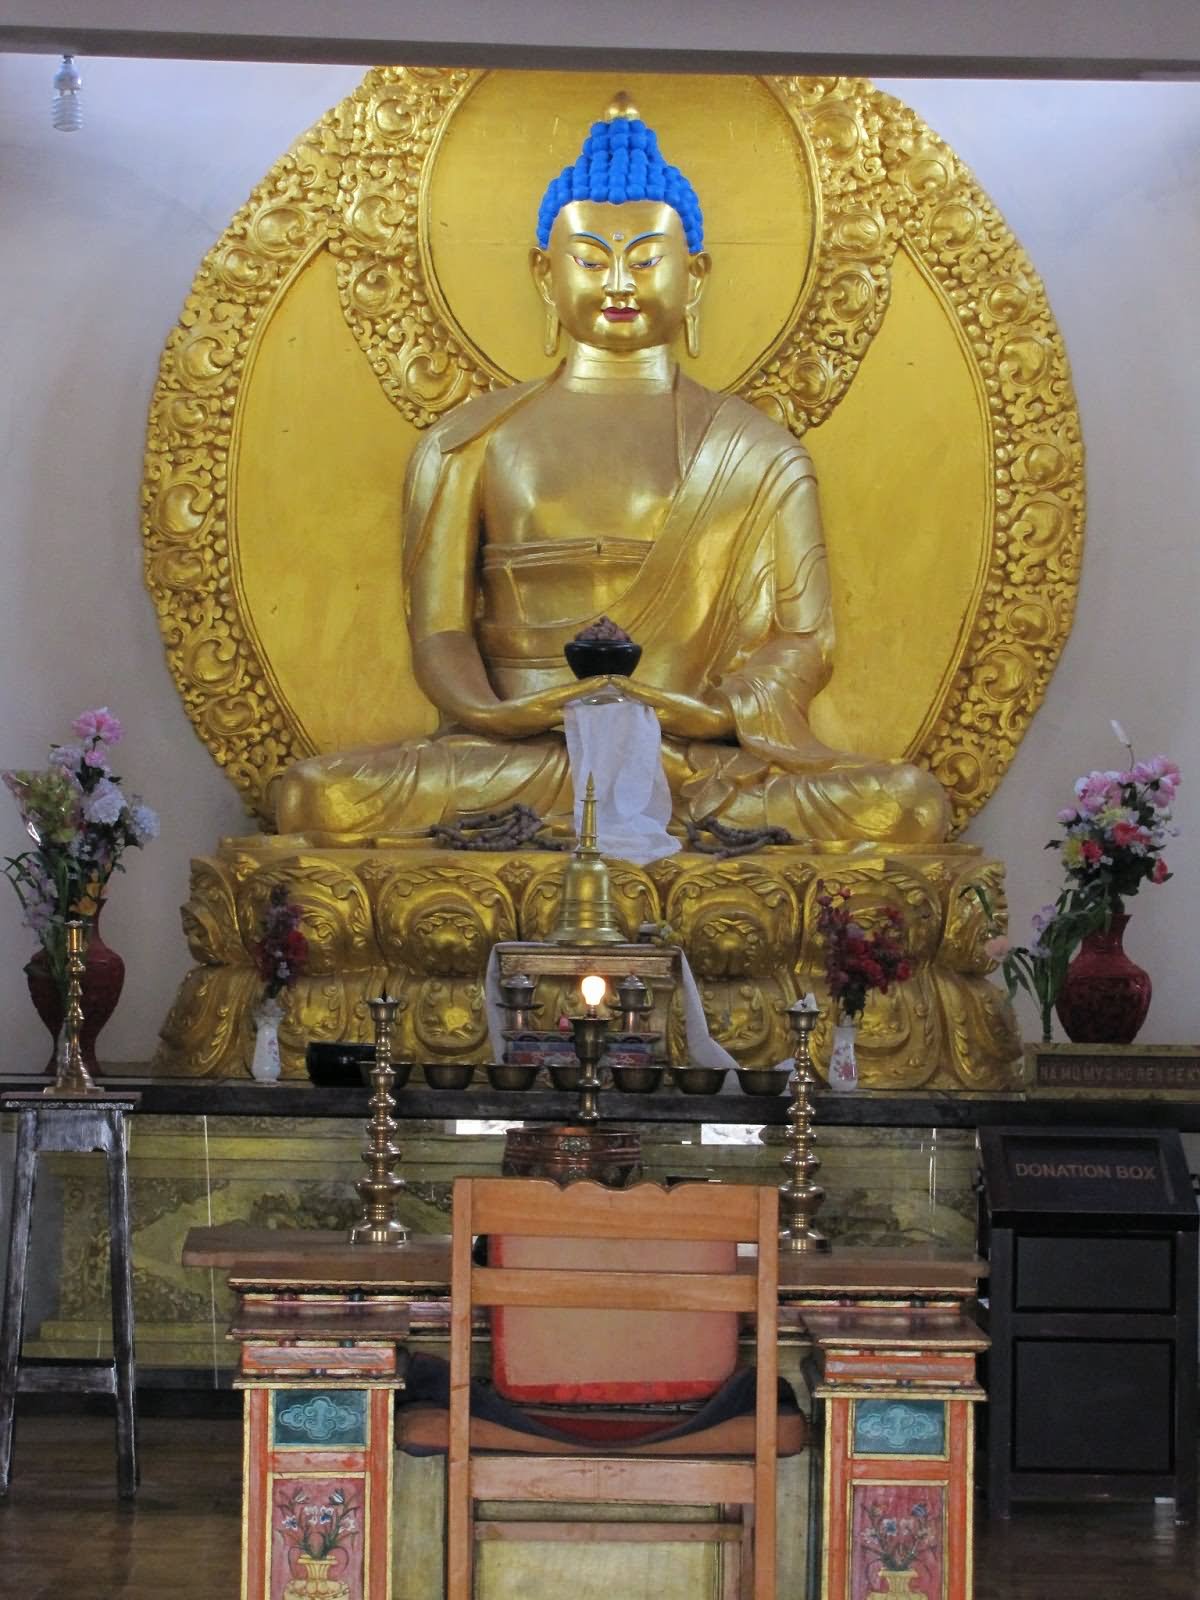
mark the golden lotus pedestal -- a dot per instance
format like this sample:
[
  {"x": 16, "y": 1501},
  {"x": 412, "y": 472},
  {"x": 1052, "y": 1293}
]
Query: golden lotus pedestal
[{"x": 422, "y": 922}]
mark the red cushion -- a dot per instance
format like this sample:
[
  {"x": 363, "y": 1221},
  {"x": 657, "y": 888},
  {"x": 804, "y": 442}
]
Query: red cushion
[
  {"x": 424, "y": 1430},
  {"x": 611, "y": 1357}
]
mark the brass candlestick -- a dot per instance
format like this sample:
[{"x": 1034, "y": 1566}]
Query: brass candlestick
[
  {"x": 71, "y": 1077},
  {"x": 381, "y": 1186},
  {"x": 590, "y": 1032},
  {"x": 800, "y": 1198}
]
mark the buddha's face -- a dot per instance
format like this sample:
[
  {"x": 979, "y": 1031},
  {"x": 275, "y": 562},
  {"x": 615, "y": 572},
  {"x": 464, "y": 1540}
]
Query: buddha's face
[{"x": 619, "y": 276}]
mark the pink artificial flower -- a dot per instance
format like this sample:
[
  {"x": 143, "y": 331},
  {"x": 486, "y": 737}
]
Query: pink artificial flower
[
  {"x": 1161, "y": 872},
  {"x": 1096, "y": 791},
  {"x": 99, "y": 724},
  {"x": 1068, "y": 815},
  {"x": 996, "y": 949},
  {"x": 1091, "y": 852},
  {"x": 94, "y": 756}
]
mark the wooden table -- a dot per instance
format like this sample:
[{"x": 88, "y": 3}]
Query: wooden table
[
  {"x": 73, "y": 1125},
  {"x": 892, "y": 1370}
]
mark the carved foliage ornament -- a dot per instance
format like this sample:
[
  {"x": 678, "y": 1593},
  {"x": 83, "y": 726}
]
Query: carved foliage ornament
[{"x": 354, "y": 185}]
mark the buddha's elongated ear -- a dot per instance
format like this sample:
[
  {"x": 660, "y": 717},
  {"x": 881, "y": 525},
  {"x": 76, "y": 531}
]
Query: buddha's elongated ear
[
  {"x": 539, "y": 267},
  {"x": 699, "y": 266}
]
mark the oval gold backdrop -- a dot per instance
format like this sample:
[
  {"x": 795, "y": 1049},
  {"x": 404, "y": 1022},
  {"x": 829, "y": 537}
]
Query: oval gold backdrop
[{"x": 864, "y": 292}]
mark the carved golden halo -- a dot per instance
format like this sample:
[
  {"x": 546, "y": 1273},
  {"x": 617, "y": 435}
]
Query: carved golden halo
[{"x": 885, "y": 188}]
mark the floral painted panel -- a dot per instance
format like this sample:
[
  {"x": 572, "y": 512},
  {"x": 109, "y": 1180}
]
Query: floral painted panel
[
  {"x": 897, "y": 1541},
  {"x": 317, "y": 1538},
  {"x": 320, "y": 1421},
  {"x": 899, "y": 1428}
]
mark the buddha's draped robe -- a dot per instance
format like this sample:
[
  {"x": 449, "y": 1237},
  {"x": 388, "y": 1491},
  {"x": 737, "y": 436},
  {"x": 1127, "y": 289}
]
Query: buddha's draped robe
[{"x": 729, "y": 603}]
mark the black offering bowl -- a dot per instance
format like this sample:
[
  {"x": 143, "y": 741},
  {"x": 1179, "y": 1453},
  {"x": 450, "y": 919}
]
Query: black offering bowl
[{"x": 602, "y": 658}]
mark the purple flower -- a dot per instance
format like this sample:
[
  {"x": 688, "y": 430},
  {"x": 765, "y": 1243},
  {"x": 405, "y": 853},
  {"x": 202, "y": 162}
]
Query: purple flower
[
  {"x": 97, "y": 756},
  {"x": 143, "y": 822},
  {"x": 100, "y": 724},
  {"x": 66, "y": 756},
  {"x": 105, "y": 803}
]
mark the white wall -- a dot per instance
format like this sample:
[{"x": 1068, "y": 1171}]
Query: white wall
[{"x": 100, "y": 234}]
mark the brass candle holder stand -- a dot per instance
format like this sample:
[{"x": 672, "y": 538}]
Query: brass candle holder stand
[
  {"x": 591, "y": 1031},
  {"x": 381, "y": 1187},
  {"x": 582, "y": 1149},
  {"x": 72, "y": 1080},
  {"x": 800, "y": 1198}
]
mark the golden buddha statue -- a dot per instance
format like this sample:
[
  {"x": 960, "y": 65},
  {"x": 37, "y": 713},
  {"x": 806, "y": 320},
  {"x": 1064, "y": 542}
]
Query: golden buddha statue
[{"x": 615, "y": 487}]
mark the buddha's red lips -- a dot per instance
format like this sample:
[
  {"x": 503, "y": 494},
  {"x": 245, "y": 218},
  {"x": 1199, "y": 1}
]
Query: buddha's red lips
[{"x": 621, "y": 313}]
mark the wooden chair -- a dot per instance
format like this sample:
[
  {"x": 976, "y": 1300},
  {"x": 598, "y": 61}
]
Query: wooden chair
[{"x": 692, "y": 1470}]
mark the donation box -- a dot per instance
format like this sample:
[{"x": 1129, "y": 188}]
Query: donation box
[{"x": 1091, "y": 1234}]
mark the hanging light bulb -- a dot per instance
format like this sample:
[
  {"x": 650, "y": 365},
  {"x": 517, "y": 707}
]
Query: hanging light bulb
[
  {"x": 594, "y": 989},
  {"x": 66, "y": 109}
]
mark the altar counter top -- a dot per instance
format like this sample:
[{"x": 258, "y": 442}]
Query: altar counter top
[
  {"x": 862, "y": 1108},
  {"x": 256, "y": 1257}
]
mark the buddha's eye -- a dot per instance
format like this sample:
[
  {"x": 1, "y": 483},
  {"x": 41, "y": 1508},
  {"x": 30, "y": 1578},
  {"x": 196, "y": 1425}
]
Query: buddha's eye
[
  {"x": 588, "y": 266},
  {"x": 646, "y": 264}
]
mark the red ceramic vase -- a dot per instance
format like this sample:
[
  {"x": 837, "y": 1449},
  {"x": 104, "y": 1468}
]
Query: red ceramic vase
[
  {"x": 1105, "y": 996},
  {"x": 103, "y": 979}
]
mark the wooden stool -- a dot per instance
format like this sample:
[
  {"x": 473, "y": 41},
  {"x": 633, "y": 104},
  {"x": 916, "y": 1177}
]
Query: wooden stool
[{"x": 71, "y": 1126}]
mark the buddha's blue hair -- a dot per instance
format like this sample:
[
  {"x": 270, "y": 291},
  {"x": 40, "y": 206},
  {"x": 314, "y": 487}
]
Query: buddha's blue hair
[{"x": 620, "y": 161}]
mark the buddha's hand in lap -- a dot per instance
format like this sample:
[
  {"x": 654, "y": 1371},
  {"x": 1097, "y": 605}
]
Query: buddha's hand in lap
[
  {"x": 680, "y": 715},
  {"x": 528, "y": 714}
]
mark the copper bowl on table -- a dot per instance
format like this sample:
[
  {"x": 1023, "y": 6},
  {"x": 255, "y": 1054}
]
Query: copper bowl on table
[{"x": 570, "y": 1153}]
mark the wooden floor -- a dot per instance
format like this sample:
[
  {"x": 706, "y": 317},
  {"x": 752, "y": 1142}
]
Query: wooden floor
[{"x": 63, "y": 1532}]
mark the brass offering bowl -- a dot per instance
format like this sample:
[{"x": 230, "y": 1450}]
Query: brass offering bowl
[
  {"x": 699, "y": 1080},
  {"x": 448, "y": 1074},
  {"x": 401, "y": 1072},
  {"x": 512, "y": 1074},
  {"x": 567, "y": 1076},
  {"x": 764, "y": 1080},
  {"x": 636, "y": 1080}
]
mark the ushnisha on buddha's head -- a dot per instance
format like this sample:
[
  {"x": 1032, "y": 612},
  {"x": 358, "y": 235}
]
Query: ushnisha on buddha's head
[{"x": 620, "y": 262}]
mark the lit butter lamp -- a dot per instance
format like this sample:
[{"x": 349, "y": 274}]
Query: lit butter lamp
[
  {"x": 590, "y": 1032},
  {"x": 571, "y": 1151}
]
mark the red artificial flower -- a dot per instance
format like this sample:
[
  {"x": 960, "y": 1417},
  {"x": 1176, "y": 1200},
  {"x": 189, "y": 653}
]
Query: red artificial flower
[
  {"x": 1127, "y": 833},
  {"x": 1160, "y": 873},
  {"x": 1091, "y": 852},
  {"x": 858, "y": 961}
]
